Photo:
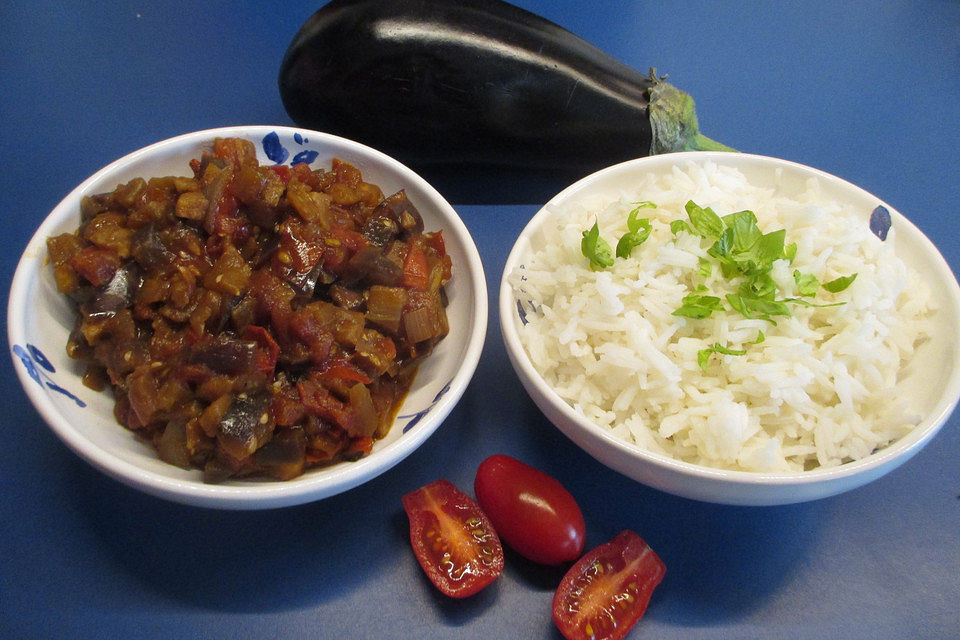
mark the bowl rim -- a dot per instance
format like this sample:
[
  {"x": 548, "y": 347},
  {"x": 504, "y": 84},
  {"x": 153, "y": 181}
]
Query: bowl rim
[
  {"x": 252, "y": 494},
  {"x": 890, "y": 456}
]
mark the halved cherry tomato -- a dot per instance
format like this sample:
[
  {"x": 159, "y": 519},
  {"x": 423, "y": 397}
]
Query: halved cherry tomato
[
  {"x": 453, "y": 539},
  {"x": 607, "y": 591},
  {"x": 531, "y": 511}
]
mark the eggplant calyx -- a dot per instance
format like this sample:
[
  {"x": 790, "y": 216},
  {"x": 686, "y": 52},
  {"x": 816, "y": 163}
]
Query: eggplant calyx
[{"x": 673, "y": 119}]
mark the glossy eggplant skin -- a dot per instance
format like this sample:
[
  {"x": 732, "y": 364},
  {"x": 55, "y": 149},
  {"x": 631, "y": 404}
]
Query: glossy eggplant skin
[{"x": 482, "y": 83}]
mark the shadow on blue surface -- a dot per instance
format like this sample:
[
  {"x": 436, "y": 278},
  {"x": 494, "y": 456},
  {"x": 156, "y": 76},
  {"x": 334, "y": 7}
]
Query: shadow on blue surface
[{"x": 250, "y": 562}]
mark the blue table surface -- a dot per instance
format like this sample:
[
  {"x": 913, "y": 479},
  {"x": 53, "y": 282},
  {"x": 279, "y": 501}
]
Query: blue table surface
[{"x": 869, "y": 91}]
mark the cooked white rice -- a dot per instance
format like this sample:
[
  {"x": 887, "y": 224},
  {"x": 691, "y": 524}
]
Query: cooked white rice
[{"x": 820, "y": 390}]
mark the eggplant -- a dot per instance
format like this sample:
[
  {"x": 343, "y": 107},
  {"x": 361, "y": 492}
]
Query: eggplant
[
  {"x": 246, "y": 425},
  {"x": 225, "y": 354},
  {"x": 117, "y": 294},
  {"x": 479, "y": 89}
]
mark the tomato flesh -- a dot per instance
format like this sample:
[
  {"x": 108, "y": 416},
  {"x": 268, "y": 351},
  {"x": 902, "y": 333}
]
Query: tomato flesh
[
  {"x": 607, "y": 591},
  {"x": 452, "y": 539},
  {"x": 530, "y": 510}
]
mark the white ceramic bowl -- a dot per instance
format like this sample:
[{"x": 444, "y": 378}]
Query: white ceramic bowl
[
  {"x": 40, "y": 319},
  {"x": 934, "y": 385}
]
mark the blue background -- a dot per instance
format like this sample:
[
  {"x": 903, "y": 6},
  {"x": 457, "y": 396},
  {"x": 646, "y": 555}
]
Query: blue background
[{"x": 869, "y": 91}]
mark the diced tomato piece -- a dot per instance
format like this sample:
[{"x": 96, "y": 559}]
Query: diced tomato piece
[
  {"x": 334, "y": 257},
  {"x": 268, "y": 350},
  {"x": 315, "y": 456},
  {"x": 234, "y": 150},
  {"x": 297, "y": 254},
  {"x": 320, "y": 402},
  {"x": 272, "y": 299},
  {"x": 346, "y": 173},
  {"x": 345, "y": 371},
  {"x": 352, "y": 240},
  {"x": 453, "y": 539},
  {"x": 360, "y": 446},
  {"x": 308, "y": 330},
  {"x": 434, "y": 240},
  {"x": 607, "y": 591},
  {"x": 97, "y": 265},
  {"x": 416, "y": 272},
  {"x": 224, "y": 219},
  {"x": 287, "y": 411},
  {"x": 282, "y": 170},
  {"x": 302, "y": 172}
]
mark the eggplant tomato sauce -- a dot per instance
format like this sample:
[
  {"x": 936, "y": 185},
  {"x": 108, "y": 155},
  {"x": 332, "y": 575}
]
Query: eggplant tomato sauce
[{"x": 253, "y": 320}]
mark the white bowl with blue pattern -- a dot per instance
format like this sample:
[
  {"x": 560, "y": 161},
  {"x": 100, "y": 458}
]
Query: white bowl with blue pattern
[
  {"x": 40, "y": 319},
  {"x": 933, "y": 382}
]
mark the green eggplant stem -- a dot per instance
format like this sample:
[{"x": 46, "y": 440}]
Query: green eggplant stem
[{"x": 673, "y": 118}]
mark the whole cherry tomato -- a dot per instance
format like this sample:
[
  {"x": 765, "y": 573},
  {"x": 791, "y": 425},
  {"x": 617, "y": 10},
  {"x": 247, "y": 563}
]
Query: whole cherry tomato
[
  {"x": 453, "y": 539},
  {"x": 607, "y": 591},
  {"x": 531, "y": 511}
]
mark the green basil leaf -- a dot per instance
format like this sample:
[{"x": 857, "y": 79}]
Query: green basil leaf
[
  {"x": 718, "y": 348},
  {"x": 745, "y": 231},
  {"x": 633, "y": 224},
  {"x": 698, "y": 306},
  {"x": 681, "y": 225},
  {"x": 725, "y": 244},
  {"x": 596, "y": 249},
  {"x": 706, "y": 223},
  {"x": 807, "y": 284},
  {"x": 639, "y": 232},
  {"x": 757, "y": 307},
  {"x": 838, "y": 285},
  {"x": 807, "y": 303},
  {"x": 760, "y": 285},
  {"x": 770, "y": 248},
  {"x": 631, "y": 240},
  {"x": 705, "y": 267},
  {"x": 703, "y": 355}
]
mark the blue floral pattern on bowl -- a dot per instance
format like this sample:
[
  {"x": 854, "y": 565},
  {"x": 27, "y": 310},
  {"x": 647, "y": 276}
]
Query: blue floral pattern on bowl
[
  {"x": 414, "y": 418},
  {"x": 880, "y": 222},
  {"x": 276, "y": 152},
  {"x": 39, "y": 368}
]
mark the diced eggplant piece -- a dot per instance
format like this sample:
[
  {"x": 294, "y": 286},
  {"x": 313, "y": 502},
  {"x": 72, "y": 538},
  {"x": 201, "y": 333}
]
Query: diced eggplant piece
[
  {"x": 375, "y": 353},
  {"x": 284, "y": 456},
  {"x": 311, "y": 206},
  {"x": 381, "y": 227},
  {"x": 346, "y": 326},
  {"x": 172, "y": 447},
  {"x": 246, "y": 425},
  {"x": 149, "y": 250},
  {"x": 191, "y": 205},
  {"x": 226, "y": 354},
  {"x": 117, "y": 294},
  {"x": 305, "y": 284},
  {"x": 372, "y": 266},
  {"x": 347, "y": 298},
  {"x": 385, "y": 306},
  {"x": 229, "y": 274},
  {"x": 399, "y": 208},
  {"x": 107, "y": 231}
]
